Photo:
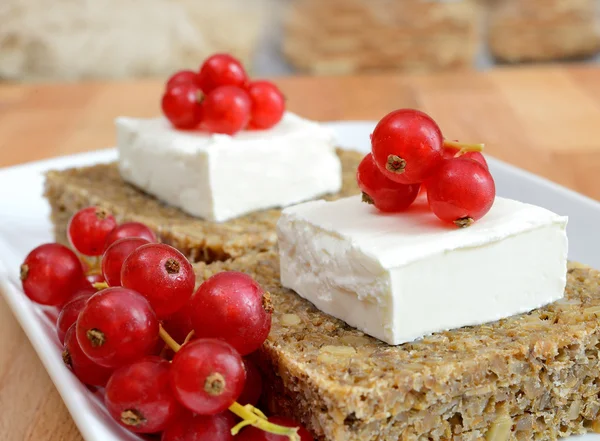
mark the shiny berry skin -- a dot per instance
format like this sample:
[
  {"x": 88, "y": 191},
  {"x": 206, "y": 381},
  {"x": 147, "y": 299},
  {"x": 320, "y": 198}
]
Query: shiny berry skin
[
  {"x": 94, "y": 278},
  {"x": 127, "y": 230},
  {"x": 140, "y": 398},
  {"x": 268, "y": 104},
  {"x": 221, "y": 70},
  {"x": 161, "y": 274},
  {"x": 51, "y": 274},
  {"x": 461, "y": 191},
  {"x": 407, "y": 146},
  {"x": 450, "y": 153},
  {"x": 182, "y": 77},
  {"x": 88, "y": 229},
  {"x": 181, "y": 105},
  {"x": 178, "y": 325},
  {"x": 253, "y": 385},
  {"x": 231, "y": 306},
  {"x": 254, "y": 434},
  {"x": 70, "y": 311},
  {"x": 84, "y": 369},
  {"x": 117, "y": 326},
  {"x": 207, "y": 376},
  {"x": 190, "y": 427},
  {"x": 385, "y": 194},
  {"x": 226, "y": 110},
  {"x": 115, "y": 255}
]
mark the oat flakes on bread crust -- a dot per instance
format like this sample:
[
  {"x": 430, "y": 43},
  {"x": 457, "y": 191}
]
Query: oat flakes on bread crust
[
  {"x": 71, "y": 190},
  {"x": 536, "y": 375}
]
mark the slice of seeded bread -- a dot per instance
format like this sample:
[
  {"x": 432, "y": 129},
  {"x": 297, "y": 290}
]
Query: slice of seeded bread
[
  {"x": 70, "y": 190},
  {"x": 534, "y": 376}
]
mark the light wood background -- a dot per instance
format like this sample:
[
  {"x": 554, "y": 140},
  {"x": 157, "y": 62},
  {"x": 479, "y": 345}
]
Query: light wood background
[{"x": 544, "y": 119}]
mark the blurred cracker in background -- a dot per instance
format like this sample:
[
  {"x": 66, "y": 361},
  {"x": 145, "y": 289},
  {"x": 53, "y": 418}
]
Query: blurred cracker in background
[
  {"x": 347, "y": 36},
  {"x": 543, "y": 30},
  {"x": 79, "y": 39}
]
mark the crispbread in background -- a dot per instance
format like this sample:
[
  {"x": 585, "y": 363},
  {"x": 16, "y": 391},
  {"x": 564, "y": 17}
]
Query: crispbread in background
[{"x": 543, "y": 30}]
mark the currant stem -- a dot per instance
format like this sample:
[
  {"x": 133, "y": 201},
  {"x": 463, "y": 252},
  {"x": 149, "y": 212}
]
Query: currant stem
[
  {"x": 100, "y": 285},
  {"x": 249, "y": 417},
  {"x": 170, "y": 341},
  {"x": 92, "y": 263},
  {"x": 462, "y": 147},
  {"x": 188, "y": 337}
]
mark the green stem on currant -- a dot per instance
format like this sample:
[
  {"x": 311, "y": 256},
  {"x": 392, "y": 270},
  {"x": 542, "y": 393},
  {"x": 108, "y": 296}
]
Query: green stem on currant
[
  {"x": 253, "y": 417},
  {"x": 462, "y": 147},
  {"x": 250, "y": 415},
  {"x": 100, "y": 285}
]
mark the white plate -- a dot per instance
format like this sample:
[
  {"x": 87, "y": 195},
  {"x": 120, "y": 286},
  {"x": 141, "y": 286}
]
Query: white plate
[{"x": 24, "y": 224}]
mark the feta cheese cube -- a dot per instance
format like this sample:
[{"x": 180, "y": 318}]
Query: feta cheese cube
[
  {"x": 399, "y": 277},
  {"x": 220, "y": 177}
]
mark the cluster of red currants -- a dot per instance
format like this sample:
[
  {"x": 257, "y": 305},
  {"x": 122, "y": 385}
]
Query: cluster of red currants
[
  {"x": 220, "y": 98},
  {"x": 409, "y": 155},
  {"x": 170, "y": 360}
]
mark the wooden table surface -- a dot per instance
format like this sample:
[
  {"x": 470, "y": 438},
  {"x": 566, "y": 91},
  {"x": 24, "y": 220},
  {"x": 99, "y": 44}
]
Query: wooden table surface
[{"x": 544, "y": 119}]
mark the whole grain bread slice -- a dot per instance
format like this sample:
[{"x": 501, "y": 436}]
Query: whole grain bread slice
[
  {"x": 71, "y": 190},
  {"x": 534, "y": 376}
]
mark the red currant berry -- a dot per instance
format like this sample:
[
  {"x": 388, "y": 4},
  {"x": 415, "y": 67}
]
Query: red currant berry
[
  {"x": 253, "y": 385},
  {"x": 181, "y": 105},
  {"x": 115, "y": 255},
  {"x": 254, "y": 434},
  {"x": 231, "y": 306},
  {"x": 69, "y": 313},
  {"x": 162, "y": 274},
  {"x": 127, "y": 230},
  {"x": 178, "y": 325},
  {"x": 268, "y": 104},
  {"x": 385, "y": 194},
  {"x": 221, "y": 70},
  {"x": 88, "y": 229},
  {"x": 207, "y": 376},
  {"x": 190, "y": 427},
  {"x": 94, "y": 278},
  {"x": 450, "y": 153},
  {"x": 84, "y": 369},
  {"x": 461, "y": 191},
  {"x": 226, "y": 110},
  {"x": 139, "y": 396},
  {"x": 117, "y": 326},
  {"x": 51, "y": 274},
  {"x": 407, "y": 146},
  {"x": 182, "y": 77}
]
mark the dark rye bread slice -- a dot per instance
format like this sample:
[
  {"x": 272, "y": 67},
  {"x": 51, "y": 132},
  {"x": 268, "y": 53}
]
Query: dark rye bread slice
[
  {"x": 534, "y": 376},
  {"x": 71, "y": 190}
]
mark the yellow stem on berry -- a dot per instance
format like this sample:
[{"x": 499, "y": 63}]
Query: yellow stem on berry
[
  {"x": 250, "y": 418},
  {"x": 188, "y": 337},
  {"x": 250, "y": 415},
  {"x": 92, "y": 263},
  {"x": 170, "y": 341},
  {"x": 100, "y": 285},
  {"x": 462, "y": 147}
]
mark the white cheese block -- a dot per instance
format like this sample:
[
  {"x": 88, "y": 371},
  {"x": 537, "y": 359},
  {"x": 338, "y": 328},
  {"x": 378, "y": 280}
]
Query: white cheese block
[
  {"x": 399, "y": 277},
  {"x": 220, "y": 177}
]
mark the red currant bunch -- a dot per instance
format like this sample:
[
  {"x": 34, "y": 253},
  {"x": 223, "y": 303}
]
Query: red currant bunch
[
  {"x": 187, "y": 385},
  {"x": 408, "y": 151},
  {"x": 220, "y": 98}
]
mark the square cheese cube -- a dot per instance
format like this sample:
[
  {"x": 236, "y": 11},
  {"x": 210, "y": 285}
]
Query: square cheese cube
[
  {"x": 399, "y": 277},
  {"x": 220, "y": 177}
]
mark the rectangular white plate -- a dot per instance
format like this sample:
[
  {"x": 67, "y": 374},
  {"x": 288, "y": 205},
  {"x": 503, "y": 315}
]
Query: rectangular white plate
[{"x": 24, "y": 224}]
